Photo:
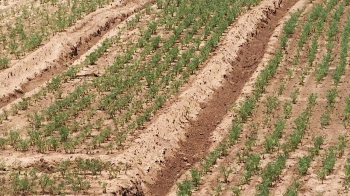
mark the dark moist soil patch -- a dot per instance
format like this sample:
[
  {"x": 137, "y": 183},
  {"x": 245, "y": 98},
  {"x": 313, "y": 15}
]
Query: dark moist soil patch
[{"x": 197, "y": 142}]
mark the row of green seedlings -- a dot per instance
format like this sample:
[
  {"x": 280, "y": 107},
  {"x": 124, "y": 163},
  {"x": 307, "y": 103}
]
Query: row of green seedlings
[
  {"x": 63, "y": 130},
  {"x": 65, "y": 177},
  {"x": 104, "y": 84},
  {"x": 346, "y": 181},
  {"x": 273, "y": 169},
  {"x": 124, "y": 101},
  {"x": 304, "y": 162},
  {"x": 328, "y": 162},
  {"x": 318, "y": 17},
  {"x": 344, "y": 42},
  {"x": 54, "y": 85},
  {"x": 333, "y": 152},
  {"x": 271, "y": 141},
  {"x": 322, "y": 67},
  {"x": 36, "y": 119},
  {"x": 346, "y": 113},
  {"x": 331, "y": 94},
  {"x": 252, "y": 160},
  {"x": 303, "y": 165},
  {"x": 152, "y": 87},
  {"x": 155, "y": 84},
  {"x": 340, "y": 69},
  {"x": 320, "y": 13},
  {"x": 245, "y": 110},
  {"x": 23, "y": 35}
]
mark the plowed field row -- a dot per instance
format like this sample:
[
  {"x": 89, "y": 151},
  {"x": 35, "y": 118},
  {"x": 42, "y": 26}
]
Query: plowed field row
[{"x": 174, "y": 97}]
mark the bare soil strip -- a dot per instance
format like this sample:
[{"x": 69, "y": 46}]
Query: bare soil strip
[
  {"x": 145, "y": 152},
  {"x": 214, "y": 177},
  {"x": 197, "y": 141},
  {"x": 62, "y": 49}
]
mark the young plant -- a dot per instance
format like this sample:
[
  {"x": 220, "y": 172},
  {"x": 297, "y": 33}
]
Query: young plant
[
  {"x": 271, "y": 104},
  {"x": 272, "y": 141},
  {"x": 287, "y": 109},
  {"x": 294, "y": 95},
  {"x": 4, "y": 62},
  {"x": 226, "y": 172},
  {"x": 281, "y": 88},
  {"x": 293, "y": 189},
  {"x": 196, "y": 176},
  {"x": 45, "y": 181},
  {"x": 346, "y": 113},
  {"x": 304, "y": 164},
  {"x": 347, "y": 173},
  {"x": 328, "y": 165},
  {"x": 342, "y": 141},
  {"x": 331, "y": 95},
  {"x": 325, "y": 118},
  {"x": 218, "y": 189},
  {"x": 184, "y": 188},
  {"x": 312, "y": 100},
  {"x": 236, "y": 191}
]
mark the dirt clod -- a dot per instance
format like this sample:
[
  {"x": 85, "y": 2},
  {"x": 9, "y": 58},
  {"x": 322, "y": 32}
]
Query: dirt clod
[{"x": 134, "y": 190}]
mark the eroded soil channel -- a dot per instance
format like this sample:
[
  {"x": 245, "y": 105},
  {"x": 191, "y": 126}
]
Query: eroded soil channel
[{"x": 197, "y": 142}]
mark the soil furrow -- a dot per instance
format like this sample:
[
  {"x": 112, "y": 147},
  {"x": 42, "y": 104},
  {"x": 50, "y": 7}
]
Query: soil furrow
[
  {"x": 147, "y": 145},
  {"x": 62, "y": 50},
  {"x": 197, "y": 142}
]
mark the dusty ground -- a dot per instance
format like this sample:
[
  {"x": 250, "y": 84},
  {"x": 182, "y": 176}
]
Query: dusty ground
[{"x": 195, "y": 120}]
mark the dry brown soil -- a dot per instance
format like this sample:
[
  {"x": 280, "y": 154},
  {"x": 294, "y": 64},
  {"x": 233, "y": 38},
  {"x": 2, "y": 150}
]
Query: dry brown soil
[
  {"x": 185, "y": 129},
  {"x": 197, "y": 142}
]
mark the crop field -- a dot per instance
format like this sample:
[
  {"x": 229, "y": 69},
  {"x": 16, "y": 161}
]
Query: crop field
[{"x": 174, "y": 97}]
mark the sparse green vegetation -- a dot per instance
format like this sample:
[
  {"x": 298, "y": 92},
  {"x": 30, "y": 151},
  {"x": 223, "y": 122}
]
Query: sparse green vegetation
[{"x": 127, "y": 112}]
